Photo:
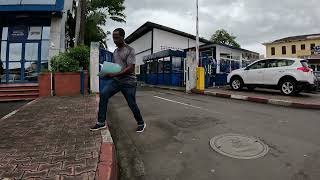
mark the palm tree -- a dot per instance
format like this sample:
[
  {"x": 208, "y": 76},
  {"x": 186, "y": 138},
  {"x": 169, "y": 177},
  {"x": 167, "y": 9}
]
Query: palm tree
[{"x": 97, "y": 13}]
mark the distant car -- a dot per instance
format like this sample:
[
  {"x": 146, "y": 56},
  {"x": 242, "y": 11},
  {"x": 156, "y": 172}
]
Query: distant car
[{"x": 289, "y": 75}]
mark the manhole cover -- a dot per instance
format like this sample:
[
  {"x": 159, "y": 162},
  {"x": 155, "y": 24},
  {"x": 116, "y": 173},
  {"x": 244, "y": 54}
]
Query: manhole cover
[{"x": 239, "y": 146}]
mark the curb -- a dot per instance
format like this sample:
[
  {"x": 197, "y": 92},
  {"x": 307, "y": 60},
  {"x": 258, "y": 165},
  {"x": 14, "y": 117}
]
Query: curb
[
  {"x": 161, "y": 87},
  {"x": 255, "y": 99},
  {"x": 107, "y": 168},
  {"x": 260, "y": 100}
]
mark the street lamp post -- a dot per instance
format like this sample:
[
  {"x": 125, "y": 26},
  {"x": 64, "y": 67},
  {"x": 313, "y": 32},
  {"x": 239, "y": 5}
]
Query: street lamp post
[{"x": 197, "y": 33}]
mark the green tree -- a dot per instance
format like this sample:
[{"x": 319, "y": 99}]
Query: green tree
[
  {"x": 97, "y": 13},
  {"x": 221, "y": 36},
  {"x": 81, "y": 54},
  {"x": 112, "y": 9}
]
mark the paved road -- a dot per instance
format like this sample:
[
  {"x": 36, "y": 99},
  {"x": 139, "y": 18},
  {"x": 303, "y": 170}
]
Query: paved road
[
  {"x": 176, "y": 143},
  {"x": 7, "y": 107}
]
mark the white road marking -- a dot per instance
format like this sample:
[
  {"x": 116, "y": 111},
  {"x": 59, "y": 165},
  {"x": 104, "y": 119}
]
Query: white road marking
[
  {"x": 9, "y": 115},
  {"x": 17, "y": 110},
  {"x": 177, "y": 102}
]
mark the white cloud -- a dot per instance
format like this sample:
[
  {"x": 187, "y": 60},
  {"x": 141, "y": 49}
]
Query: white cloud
[{"x": 252, "y": 21}]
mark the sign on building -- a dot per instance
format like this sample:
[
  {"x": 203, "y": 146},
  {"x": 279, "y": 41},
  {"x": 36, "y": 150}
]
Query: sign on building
[{"x": 316, "y": 50}]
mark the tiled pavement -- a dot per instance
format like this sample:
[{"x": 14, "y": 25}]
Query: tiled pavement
[{"x": 50, "y": 139}]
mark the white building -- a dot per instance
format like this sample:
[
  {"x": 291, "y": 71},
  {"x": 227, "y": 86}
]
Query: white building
[
  {"x": 152, "y": 38},
  {"x": 31, "y": 32}
]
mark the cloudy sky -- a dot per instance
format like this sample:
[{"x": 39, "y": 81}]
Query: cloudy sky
[{"x": 252, "y": 21}]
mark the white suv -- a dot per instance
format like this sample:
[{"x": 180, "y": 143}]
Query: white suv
[{"x": 290, "y": 75}]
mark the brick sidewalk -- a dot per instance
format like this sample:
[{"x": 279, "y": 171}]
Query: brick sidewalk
[{"x": 50, "y": 139}]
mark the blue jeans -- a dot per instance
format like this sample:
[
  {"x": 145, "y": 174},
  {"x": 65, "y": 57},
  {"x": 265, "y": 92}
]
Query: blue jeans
[{"x": 128, "y": 91}]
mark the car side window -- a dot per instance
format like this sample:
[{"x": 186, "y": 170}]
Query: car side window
[
  {"x": 283, "y": 63},
  {"x": 272, "y": 63},
  {"x": 258, "y": 65}
]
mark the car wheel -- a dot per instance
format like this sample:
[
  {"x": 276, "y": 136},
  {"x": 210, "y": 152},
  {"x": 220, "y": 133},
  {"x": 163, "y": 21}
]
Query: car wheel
[
  {"x": 236, "y": 83},
  {"x": 288, "y": 87},
  {"x": 251, "y": 88}
]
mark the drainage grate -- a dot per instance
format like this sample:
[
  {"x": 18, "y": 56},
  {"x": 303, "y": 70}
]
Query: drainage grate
[{"x": 239, "y": 146}]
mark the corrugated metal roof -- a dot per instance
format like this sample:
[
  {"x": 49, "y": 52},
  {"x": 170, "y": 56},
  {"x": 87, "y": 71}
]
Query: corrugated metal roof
[
  {"x": 148, "y": 26},
  {"x": 297, "y": 38}
]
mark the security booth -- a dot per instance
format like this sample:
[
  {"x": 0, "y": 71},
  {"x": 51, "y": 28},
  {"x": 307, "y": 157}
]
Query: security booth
[
  {"x": 164, "y": 68},
  {"x": 28, "y": 30},
  {"x": 219, "y": 60}
]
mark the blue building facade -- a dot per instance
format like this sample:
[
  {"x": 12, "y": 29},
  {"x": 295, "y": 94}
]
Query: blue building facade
[{"x": 31, "y": 32}]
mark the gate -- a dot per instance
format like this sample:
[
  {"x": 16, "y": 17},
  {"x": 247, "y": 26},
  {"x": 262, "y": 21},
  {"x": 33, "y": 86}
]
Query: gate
[{"x": 104, "y": 55}]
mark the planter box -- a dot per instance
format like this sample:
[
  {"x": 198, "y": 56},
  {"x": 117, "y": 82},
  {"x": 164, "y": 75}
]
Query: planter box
[
  {"x": 44, "y": 80},
  {"x": 67, "y": 84}
]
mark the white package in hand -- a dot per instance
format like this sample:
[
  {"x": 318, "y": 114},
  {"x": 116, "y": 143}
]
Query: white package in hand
[{"x": 109, "y": 68}]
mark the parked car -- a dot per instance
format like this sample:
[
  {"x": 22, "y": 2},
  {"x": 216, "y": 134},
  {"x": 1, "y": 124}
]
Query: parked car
[{"x": 289, "y": 75}]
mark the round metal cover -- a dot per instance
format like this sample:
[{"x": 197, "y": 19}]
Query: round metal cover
[{"x": 239, "y": 146}]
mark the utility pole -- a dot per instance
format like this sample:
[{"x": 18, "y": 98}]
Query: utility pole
[
  {"x": 197, "y": 32},
  {"x": 80, "y": 22}
]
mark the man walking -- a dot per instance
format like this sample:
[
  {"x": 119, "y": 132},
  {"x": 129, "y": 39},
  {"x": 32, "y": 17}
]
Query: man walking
[{"x": 125, "y": 81}]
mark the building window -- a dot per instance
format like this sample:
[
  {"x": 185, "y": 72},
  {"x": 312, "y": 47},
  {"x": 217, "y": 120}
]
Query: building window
[
  {"x": 294, "y": 49},
  {"x": 45, "y": 47},
  {"x": 312, "y": 46},
  {"x": 4, "y": 33},
  {"x": 284, "y": 50},
  {"x": 3, "y": 50},
  {"x": 303, "y": 47},
  {"x": 34, "y": 33},
  {"x": 46, "y": 32},
  {"x": 273, "y": 51}
]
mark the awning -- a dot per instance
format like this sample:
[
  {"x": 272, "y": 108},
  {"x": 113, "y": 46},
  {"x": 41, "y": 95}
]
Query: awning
[
  {"x": 31, "y": 5},
  {"x": 163, "y": 54}
]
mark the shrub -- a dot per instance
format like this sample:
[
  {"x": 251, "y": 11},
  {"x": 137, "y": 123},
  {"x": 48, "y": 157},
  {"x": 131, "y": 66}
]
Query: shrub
[
  {"x": 64, "y": 63},
  {"x": 81, "y": 54}
]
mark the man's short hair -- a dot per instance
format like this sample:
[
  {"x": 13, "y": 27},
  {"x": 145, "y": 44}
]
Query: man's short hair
[{"x": 121, "y": 32}]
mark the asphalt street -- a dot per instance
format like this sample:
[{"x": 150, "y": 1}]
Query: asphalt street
[
  {"x": 175, "y": 145},
  {"x": 7, "y": 107}
]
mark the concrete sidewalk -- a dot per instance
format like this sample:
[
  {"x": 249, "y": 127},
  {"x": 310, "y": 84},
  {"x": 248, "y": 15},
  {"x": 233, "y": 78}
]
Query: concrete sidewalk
[{"x": 50, "y": 139}]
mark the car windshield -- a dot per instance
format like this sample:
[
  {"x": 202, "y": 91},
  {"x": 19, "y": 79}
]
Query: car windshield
[{"x": 305, "y": 63}]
